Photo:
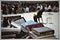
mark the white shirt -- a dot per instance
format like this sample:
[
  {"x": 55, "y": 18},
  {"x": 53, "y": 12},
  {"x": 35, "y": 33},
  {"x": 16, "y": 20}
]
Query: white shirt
[
  {"x": 41, "y": 7},
  {"x": 46, "y": 8},
  {"x": 49, "y": 7},
  {"x": 38, "y": 7},
  {"x": 27, "y": 8},
  {"x": 12, "y": 8},
  {"x": 54, "y": 8}
]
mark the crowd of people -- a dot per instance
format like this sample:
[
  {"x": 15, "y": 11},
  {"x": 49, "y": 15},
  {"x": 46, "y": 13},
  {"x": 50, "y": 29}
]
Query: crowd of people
[{"x": 24, "y": 7}]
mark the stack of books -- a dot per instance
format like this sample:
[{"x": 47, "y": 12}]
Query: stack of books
[{"x": 42, "y": 32}]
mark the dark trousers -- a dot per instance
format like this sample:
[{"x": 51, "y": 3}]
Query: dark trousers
[{"x": 35, "y": 18}]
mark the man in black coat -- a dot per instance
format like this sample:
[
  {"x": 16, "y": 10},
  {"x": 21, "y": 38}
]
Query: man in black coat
[{"x": 39, "y": 15}]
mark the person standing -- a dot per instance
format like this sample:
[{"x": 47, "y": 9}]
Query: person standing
[
  {"x": 39, "y": 15},
  {"x": 38, "y": 6},
  {"x": 49, "y": 8},
  {"x": 27, "y": 9},
  {"x": 10, "y": 8},
  {"x": 30, "y": 7},
  {"x": 4, "y": 9},
  {"x": 15, "y": 8},
  {"x": 20, "y": 9}
]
